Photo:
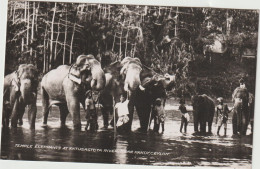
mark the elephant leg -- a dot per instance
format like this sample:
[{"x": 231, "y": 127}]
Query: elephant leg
[
  {"x": 45, "y": 106},
  {"x": 14, "y": 114},
  {"x": 203, "y": 127},
  {"x": 6, "y": 116},
  {"x": 252, "y": 126},
  {"x": 105, "y": 113},
  {"x": 32, "y": 111},
  {"x": 234, "y": 123},
  {"x": 131, "y": 114},
  {"x": 146, "y": 119},
  {"x": 244, "y": 124},
  {"x": 63, "y": 113},
  {"x": 239, "y": 121},
  {"x": 196, "y": 123},
  {"x": 74, "y": 108},
  {"x": 142, "y": 118},
  {"x": 20, "y": 114},
  {"x": 209, "y": 127}
]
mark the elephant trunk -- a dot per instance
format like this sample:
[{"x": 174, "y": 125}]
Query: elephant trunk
[
  {"x": 26, "y": 91},
  {"x": 132, "y": 80},
  {"x": 98, "y": 81}
]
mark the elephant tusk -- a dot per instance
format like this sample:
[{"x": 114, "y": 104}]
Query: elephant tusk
[
  {"x": 141, "y": 88},
  {"x": 126, "y": 87},
  {"x": 34, "y": 95}
]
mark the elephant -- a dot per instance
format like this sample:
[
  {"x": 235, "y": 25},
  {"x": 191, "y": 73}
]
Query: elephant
[
  {"x": 241, "y": 116},
  {"x": 153, "y": 86},
  {"x": 130, "y": 75},
  {"x": 67, "y": 85},
  {"x": 203, "y": 112},
  {"x": 145, "y": 100},
  {"x": 20, "y": 90},
  {"x": 121, "y": 76}
]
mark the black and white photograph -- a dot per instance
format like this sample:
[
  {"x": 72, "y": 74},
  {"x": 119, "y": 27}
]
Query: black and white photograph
[{"x": 153, "y": 85}]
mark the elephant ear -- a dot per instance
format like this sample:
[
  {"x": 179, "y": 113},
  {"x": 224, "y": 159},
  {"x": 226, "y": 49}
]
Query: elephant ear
[
  {"x": 124, "y": 68},
  {"x": 15, "y": 85},
  {"x": 21, "y": 69},
  {"x": 137, "y": 61},
  {"x": 126, "y": 60}
]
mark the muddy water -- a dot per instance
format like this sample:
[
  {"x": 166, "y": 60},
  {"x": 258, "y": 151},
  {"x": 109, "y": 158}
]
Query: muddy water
[{"x": 170, "y": 148}]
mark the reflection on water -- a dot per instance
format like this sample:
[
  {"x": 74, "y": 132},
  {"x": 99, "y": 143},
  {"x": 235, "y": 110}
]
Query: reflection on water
[{"x": 171, "y": 148}]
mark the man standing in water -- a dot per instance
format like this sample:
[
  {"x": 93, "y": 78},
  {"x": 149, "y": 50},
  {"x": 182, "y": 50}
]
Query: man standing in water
[
  {"x": 222, "y": 115},
  {"x": 91, "y": 114},
  {"x": 185, "y": 116}
]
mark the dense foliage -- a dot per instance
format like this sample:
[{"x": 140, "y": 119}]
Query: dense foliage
[{"x": 169, "y": 39}]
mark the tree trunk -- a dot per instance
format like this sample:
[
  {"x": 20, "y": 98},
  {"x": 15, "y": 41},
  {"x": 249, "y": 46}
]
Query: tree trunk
[
  {"x": 32, "y": 29},
  {"x": 176, "y": 23},
  {"x": 36, "y": 17},
  {"x": 14, "y": 14},
  {"x": 126, "y": 41},
  {"x": 65, "y": 39},
  {"x": 114, "y": 42},
  {"x": 25, "y": 10},
  {"x": 28, "y": 24},
  {"x": 44, "y": 51},
  {"x": 71, "y": 44},
  {"x": 57, "y": 38},
  {"x": 51, "y": 40},
  {"x": 22, "y": 49}
]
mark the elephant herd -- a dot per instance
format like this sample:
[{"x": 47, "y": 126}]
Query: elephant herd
[{"x": 66, "y": 87}]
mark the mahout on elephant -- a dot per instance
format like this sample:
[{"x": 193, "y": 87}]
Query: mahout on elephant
[
  {"x": 242, "y": 113},
  {"x": 66, "y": 86},
  {"x": 20, "y": 90},
  {"x": 203, "y": 112}
]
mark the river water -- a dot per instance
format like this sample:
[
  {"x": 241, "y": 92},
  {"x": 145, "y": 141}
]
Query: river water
[{"x": 104, "y": 146}]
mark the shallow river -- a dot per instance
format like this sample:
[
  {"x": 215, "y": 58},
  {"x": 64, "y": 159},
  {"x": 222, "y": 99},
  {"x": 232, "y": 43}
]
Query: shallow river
[{"x": 104, "y": 146}]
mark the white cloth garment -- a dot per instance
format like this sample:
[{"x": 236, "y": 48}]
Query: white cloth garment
[{"x": 122, "y": 108}]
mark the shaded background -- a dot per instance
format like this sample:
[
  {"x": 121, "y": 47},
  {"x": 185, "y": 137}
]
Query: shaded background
[{"x": 208, "y": 48}]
